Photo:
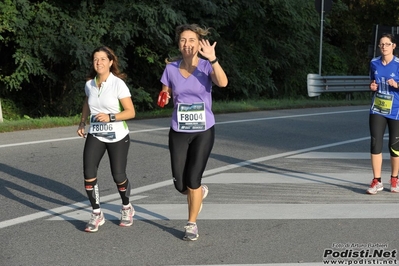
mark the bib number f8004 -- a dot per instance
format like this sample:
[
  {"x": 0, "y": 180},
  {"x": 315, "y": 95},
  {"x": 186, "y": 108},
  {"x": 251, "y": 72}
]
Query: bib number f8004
[{"x": 191, "y": 116}]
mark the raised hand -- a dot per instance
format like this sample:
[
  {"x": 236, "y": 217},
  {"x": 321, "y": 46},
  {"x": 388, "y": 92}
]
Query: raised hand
[{"x": 207, "y": 50}]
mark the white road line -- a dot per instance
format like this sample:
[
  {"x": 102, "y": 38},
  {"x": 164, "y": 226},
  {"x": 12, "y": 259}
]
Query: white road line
[
  {"x": 166, "y": 128},
  {"x": 71, "y": 138},
  {"x": 78, "y": 205},
  {"x": 336, "y": 155},
  {"x": 255, "y": 211},
  {"x": 267, "y": 211},
  {"x": 292, "y": 116},
  {"x": 290, "y": 178},
  {"x": 279, "y": 155},
  {"x": 55, "y": 211}
]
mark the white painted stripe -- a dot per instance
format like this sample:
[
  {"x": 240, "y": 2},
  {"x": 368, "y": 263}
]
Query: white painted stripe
[
  {"x": 55, "y": 211},
  {"x": 71, "y": 138},
  {"x": 292, "y": 116},
  {"x": 336, "y": 155},
  {"x": 279, "y": 155},
  {"x": 245, "y": 212},
  {"x": 166, "y": 128},
  {"x": 252, "y": 211},
  {"x": 59, "y": 210},
  {"x": 292, "y": 178},
  {"x": 36, "y": 142}
]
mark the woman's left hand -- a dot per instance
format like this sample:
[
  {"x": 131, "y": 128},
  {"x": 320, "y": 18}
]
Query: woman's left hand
[
  {"x": 393, "y": 83},
  {"x": 207, "y": 50},
  {"x": 101, "y": 117}
]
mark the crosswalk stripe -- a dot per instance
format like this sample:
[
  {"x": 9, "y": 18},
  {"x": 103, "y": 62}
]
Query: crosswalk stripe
[
  {"x": 289, "y": 178},
  {"x": 209, "y": 176},
  {"x": 335, "y": 155},
  {"x": 245, "y": 212},
  {"x": 214, "y": 211}
]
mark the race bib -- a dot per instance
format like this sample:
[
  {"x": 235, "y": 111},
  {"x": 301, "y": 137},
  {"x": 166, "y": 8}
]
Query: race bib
[
  {"x": 191, "y": 116},
  {"x": 382, "y": 103},
  {"x": 105, "y": 130}
]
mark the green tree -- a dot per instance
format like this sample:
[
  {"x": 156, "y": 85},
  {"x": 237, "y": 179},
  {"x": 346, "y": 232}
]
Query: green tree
[{"x": 267, "y": 47}]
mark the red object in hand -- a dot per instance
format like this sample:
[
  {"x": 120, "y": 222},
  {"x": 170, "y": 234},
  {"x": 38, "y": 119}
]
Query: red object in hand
[{"x": 163, "y": 96}]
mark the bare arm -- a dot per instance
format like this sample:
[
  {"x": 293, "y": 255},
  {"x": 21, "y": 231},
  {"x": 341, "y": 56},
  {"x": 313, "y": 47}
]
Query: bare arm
[
  {"x": 83, "y": 118},
  {"x": 128, "y": 109},
  {"x": 218, "y": 75}
]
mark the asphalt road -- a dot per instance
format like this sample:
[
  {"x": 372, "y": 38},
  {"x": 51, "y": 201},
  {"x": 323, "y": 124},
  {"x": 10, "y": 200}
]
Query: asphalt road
[{"x": 286, "y": 187}]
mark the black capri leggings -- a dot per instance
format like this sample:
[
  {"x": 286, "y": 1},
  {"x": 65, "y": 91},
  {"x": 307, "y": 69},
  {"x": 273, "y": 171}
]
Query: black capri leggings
[
  {"x": 117, "y": 153},
  {"x": 189, "y": 153},
  {"x": 377, "y": 124}
]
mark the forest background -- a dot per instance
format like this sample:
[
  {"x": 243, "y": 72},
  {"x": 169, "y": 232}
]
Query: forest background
[{"x": 267, "y": 47}]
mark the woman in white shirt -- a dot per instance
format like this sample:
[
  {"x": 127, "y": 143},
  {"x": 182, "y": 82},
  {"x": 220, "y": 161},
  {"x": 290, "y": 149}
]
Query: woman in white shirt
[{"x": 108, "y": 103}]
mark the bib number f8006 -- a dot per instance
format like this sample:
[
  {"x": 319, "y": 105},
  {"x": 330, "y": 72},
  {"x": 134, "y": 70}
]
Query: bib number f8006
[{"x": 102, "y": 127}]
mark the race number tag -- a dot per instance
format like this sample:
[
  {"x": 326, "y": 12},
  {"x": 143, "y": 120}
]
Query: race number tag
[
  {"x": 191, "y": 116},
  {"x": 99, "y": 129},
  {"x": 382, "y": 103}
]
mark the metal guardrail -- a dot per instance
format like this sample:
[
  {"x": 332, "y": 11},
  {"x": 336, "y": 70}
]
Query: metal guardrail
[{"x": 320, "y": 84}]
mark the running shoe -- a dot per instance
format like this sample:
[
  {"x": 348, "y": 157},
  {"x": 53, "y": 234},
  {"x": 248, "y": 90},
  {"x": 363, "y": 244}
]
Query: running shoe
[
  {"x": 127, "y": 216},
  {"x": 375, "y": 186},
  {"x": 394, "y": 184},
  {"x": 96, "y": 220},
  {"x": 191, "y": 232},
  {"x": 205, "y": 191}
]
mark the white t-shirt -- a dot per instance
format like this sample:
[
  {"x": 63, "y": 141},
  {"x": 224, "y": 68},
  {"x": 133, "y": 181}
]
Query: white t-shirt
[{"x": 106, "y": 100}]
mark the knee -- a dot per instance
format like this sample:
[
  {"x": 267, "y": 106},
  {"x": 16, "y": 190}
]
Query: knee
[
  {"x": 375, "y": 146},
  {"x": 91, "y": 184},
  {"x": 89, "y": 172},
  {"x": 193, "y": 187},
  {"x": 394, "y": 149},
  {"x": 194, "y": 184},
  {"x": 180, "y": 187},
  {"x": 90, "y": 179},
  {"x": 119, "y": 178}
]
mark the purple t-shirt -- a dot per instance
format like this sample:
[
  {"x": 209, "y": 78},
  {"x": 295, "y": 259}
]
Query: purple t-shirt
[{"x": 192, "y": 97}]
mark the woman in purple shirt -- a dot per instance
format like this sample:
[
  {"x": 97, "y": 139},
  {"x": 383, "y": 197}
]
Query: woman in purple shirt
[{"x": 188, "y": 79}]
